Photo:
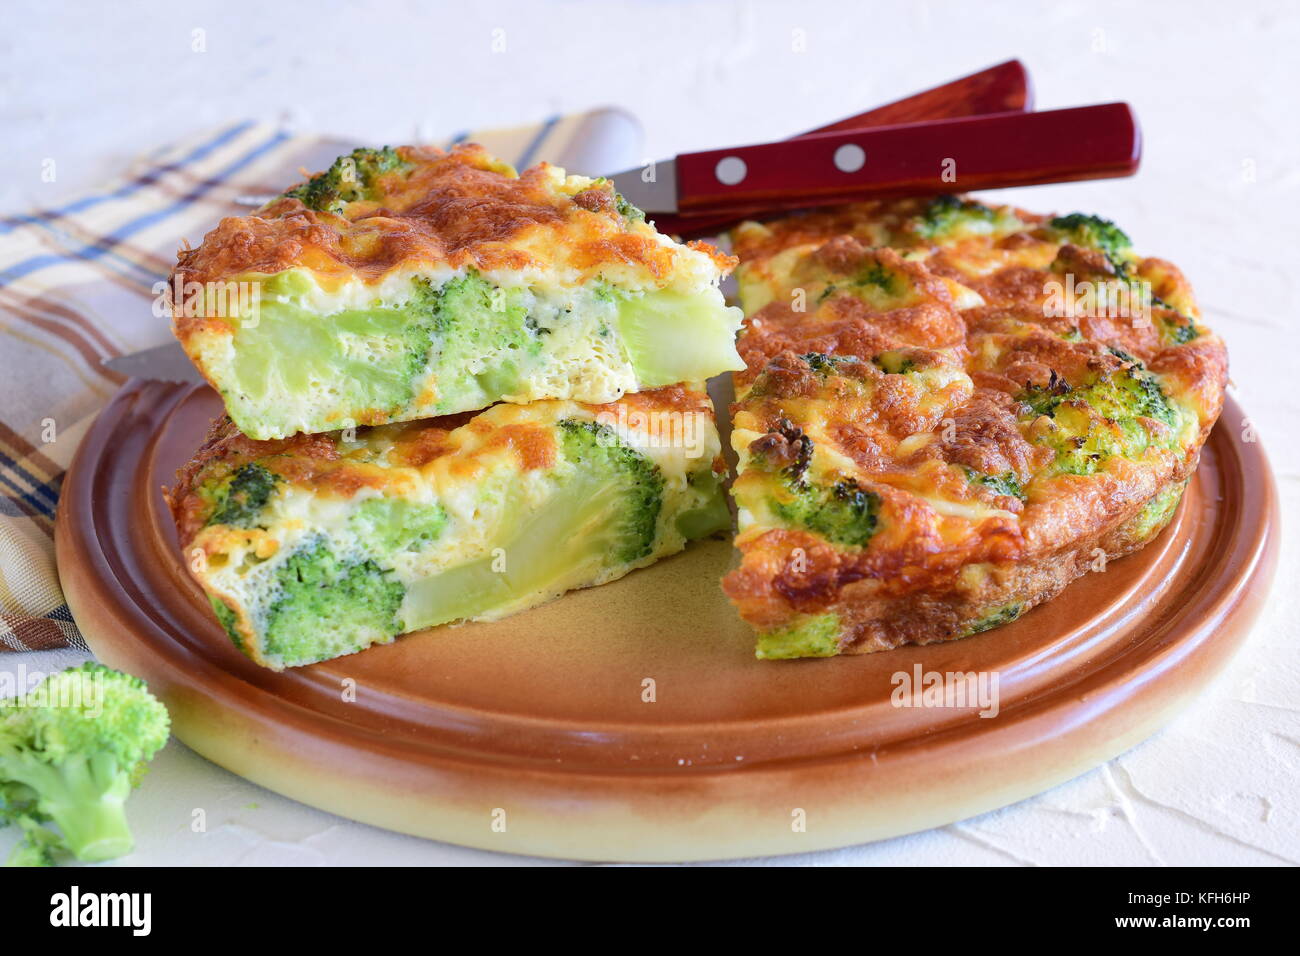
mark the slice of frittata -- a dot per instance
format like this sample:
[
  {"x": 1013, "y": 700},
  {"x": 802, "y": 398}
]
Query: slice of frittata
[
  {"x": 316, "y": 546},
  {"x": 950, "y": 411},
  {"x": 408, "y": 283}
]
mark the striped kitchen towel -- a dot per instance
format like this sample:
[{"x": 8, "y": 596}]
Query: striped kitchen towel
[{"x": 79, "y": 282}]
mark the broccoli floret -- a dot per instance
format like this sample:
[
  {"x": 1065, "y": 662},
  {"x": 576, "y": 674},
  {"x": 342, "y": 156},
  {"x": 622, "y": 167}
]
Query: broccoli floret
[
  {"x": 1100, "y": 419},
  {"x": 38, "y": 845},
  {"x": 325, "y": 606},
  {"x": 815, "y": 636},
  {"x": 228, "y": 620},
  {"x": 1043, "y": 399},
  {"x": 1156, "y": 513},
  {"x": 878, "y": 276},
  {"x": 712, "y": 515},
  {"x": 994, "y": 618},
  {"x": 602, "y": 515},
  {"x": 1177, "y": 332},
  {"x": 793, "y": 448},
  {"x": 70, "y": 752},
  {"x": 1004, "y": 484},
  {"x": 893, "y": 362},
  {"x": 350, "y": 178},
  {"x": 843, "y": 513},
  {"x": 240, "y": 504},
  {"x": 820, "y": 362},
  {"x": 595, "y": 449},
  {"x": 950, "y": 216},
  {"x": 627, "y": 210},
  {"x": 474, "y": 317},
  {"x": 1093, "y": 232},
  {"x": 825, "y": 365},
  {"x": 624, "y": 208},
  {"x": 390, "y": 525}
]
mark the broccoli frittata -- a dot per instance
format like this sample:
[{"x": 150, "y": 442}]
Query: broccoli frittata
[
  {"x": 409, "y": 283},
  {"x": 950, "y": 411},
  {"x": 316, "y": 546}
]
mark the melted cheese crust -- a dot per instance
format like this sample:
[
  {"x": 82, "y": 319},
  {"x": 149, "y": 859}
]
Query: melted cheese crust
[
  {"x": 449, "y": 212},
  {"x": 936, "y": 342},
  {"x": 436, "y": 458}
]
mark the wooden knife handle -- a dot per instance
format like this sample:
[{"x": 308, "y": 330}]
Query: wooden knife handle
[
  {"x": 978, "y": 152},
  {"x": 1003, "y": 88}
]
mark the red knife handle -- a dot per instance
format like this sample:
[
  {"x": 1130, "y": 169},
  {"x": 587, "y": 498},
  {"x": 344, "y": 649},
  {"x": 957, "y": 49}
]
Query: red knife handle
[
  {"x": 979, "y": 152},
  {"x": 1002, "y": 88}
]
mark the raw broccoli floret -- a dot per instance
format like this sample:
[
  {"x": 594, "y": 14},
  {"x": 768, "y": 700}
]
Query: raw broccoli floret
[
  {"x": 70, "y": 752},
  {"x": 325, "y": 606},
  {"x": 38, "y": 846},
  {"x": 243, "y": 499},
  {"x": 1093, "y": 232},
  {"x": 350, "y": 178},
  {"x": 950, "y": 216},
  {"x": 596, "y": 450}
]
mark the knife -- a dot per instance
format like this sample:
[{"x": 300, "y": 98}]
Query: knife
[
  {"x": 1003, "y": 88},
  {"x": 162, "y": 363},
  {"x": 945, "y": 156}
]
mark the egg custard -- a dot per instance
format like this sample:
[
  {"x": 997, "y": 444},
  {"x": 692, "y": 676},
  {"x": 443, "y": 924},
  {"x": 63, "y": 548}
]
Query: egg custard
[
  {"x": 950, "y": 411},
  {"x": 409, "y": 283},
  {"x": 316, "y": 546}
]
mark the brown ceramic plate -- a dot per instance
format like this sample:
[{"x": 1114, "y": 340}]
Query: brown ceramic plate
[{"x": 631, "y": 722}]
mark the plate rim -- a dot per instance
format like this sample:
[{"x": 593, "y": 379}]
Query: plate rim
[{"x": 623, "y": 818}]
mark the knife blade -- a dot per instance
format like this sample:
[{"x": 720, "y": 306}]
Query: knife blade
[
  {"x": 977, "y": 152},
  {"x": 163, "y": 363}
]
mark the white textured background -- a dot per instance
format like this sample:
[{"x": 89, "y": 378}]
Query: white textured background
[{"x": 1214, "y": 86}]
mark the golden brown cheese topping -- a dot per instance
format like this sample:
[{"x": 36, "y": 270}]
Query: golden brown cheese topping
[
  {"x": 326, "y": 464},
  {"x": 943, "y": 399},
  {"x": 461, "y": 209}
]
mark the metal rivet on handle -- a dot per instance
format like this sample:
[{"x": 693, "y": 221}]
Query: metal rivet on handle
[
  {"x": 850, "y": 157},
  {"x": 730, "y": 170}
]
